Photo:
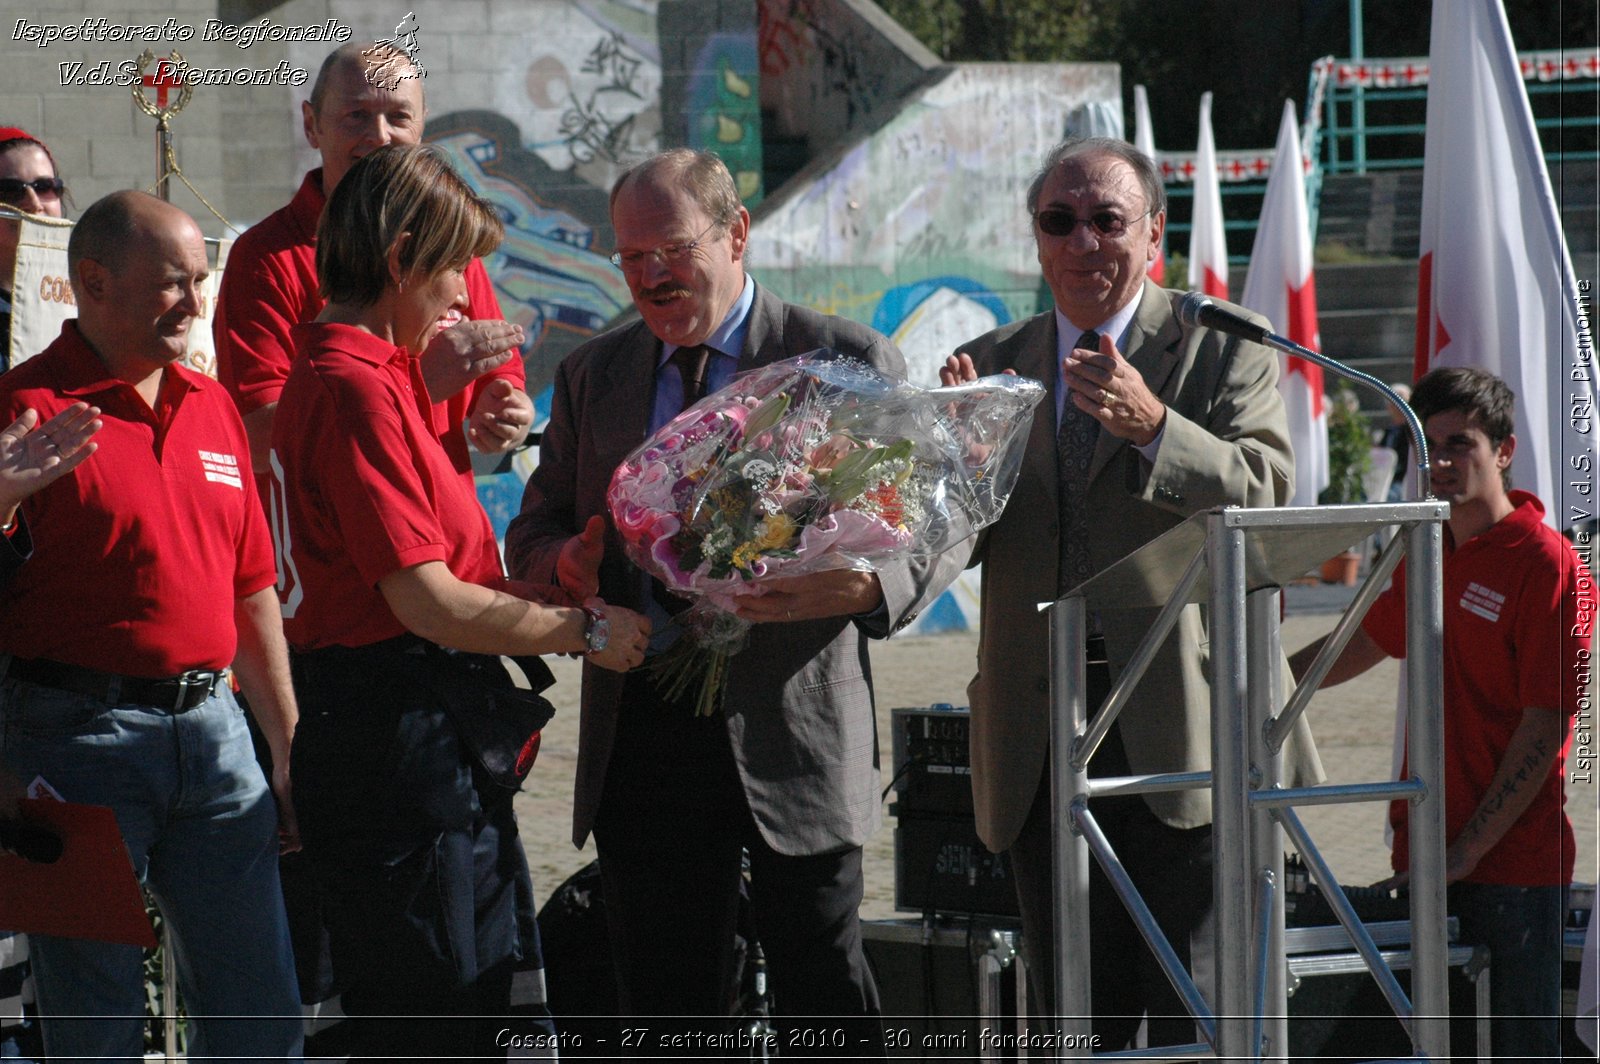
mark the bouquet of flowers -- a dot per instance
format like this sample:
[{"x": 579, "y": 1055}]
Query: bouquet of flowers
[{"x": 813, "y": 463}]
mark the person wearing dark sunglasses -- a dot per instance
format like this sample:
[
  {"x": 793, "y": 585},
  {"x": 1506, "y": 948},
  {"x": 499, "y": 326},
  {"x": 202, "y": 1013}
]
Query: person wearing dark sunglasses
[
  {"x": 28, "y": 182},
  {"x": 1151, "y": 422}
]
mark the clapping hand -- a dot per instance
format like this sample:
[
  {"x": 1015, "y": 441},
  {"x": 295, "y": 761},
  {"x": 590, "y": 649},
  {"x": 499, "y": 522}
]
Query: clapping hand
[{"x": 34, "y": 458}]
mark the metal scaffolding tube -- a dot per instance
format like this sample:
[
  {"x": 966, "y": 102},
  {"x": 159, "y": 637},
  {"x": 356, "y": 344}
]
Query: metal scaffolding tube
[
  {"x": 1106, "y": 786},
  {"x": 1359, "y": 937},
  {"x": 1425, "y": 759},
  {"x": 1230, "y": 820},
  {"x": 1265, "y": 668},
  {"x": 1068, "y": 717},
  {"x": 1266, "y": 901},
  {"x": 1144, "y": 920},
  {"x": 1084, "y": 749},
  {"x": 1336, "y": 794},
  {"x": 1333, "y": 646}
]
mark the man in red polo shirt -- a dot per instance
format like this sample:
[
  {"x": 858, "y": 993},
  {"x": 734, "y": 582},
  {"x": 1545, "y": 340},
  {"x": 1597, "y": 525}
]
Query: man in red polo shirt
[
  {"x": 152, "y": 574},
  {"x": 473, "y": 369},
  {"x": 1516, "y": 658}
]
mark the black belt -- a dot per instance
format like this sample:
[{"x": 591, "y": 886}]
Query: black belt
[{"x": 178, "y": 694}]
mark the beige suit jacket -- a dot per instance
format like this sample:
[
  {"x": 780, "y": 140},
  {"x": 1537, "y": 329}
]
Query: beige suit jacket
[{"x": 1226, "y": 443}]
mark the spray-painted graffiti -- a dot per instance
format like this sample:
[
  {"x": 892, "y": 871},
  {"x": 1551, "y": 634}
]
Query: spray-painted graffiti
[
  {"x": 784, "y": 44},
  {"x": 551, "y": 270},
  {"x": 588, "y": 123},
  {"x": 725, "y": 115},
  {"x": 809, "y": 32},
  {"x": 587, "y": 95}
]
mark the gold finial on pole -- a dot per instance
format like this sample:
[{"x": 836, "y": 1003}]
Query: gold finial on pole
[{"x": 168, "y": 76}]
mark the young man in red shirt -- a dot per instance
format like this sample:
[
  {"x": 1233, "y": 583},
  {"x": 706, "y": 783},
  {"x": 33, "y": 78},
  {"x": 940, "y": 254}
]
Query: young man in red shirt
[{"x": 1515, "y": 655}]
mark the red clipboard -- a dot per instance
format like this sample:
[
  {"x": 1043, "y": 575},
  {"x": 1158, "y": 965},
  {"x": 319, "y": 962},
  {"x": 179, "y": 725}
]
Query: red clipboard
[{"x": 90, "y": 892}]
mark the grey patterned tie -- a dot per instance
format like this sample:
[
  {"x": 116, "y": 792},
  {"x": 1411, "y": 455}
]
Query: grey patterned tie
[{"x": 1075, "y": 441}]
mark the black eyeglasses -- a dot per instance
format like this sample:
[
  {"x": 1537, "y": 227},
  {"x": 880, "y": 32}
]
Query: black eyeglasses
[
  {"x": 15, "y": 190},
  {"x": 1058, "y": 222},
  {"x": 671, "y": 254}
]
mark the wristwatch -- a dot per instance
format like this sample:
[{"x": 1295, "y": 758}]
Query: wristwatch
[{"x": 598, "y": 631}]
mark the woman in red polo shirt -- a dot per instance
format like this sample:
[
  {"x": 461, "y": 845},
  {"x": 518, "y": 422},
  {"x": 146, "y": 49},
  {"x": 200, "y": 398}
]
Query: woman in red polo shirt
[{"x": 385, "y": 558}]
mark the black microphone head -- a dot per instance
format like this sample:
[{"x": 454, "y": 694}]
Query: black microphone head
[{"x": 1191, "y": 306}]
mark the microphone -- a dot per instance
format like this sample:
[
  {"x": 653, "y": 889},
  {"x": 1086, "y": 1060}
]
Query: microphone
[
  {"x": 30, "y": 842},
  {"x": 1196, "y": 310}
]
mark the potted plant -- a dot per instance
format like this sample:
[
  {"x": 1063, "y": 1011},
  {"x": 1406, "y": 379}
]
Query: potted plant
[{"x": 1349, "y": 462}]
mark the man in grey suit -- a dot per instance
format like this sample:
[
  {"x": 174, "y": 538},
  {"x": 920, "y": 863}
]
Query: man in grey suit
[
  {"x": 787, "y": 768},
  {"x": 1154, "y": 422}
]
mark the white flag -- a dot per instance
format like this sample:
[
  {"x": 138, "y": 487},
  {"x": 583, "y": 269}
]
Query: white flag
[
  {"x": 1208, "y": 247},
  {"x": 1496, "y": 288},
  {"x": 1144, "y": 138},
  {"x": 1281, "y": 287}
]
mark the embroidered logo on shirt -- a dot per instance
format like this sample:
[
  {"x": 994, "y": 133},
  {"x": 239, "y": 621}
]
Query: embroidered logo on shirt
[
  {"x": 1480, "y": 600},
  {"x": 221, "y": 468}
]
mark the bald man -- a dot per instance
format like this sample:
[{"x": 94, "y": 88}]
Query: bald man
[
  {"x": 359, "y": 102},
  {"x": 152, "y": 575}
]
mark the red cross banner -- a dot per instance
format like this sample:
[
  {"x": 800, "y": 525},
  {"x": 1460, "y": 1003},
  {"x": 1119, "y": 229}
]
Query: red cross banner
[
  {"x": 1208, "y": 246},
  {"x": 1496, "y": 287},
  {"x": 1280, "y": 285},
  {"x": 1144, "y": 138}
]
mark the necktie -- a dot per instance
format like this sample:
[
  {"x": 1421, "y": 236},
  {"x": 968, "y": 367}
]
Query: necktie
[
  {"x": 692, "y": 364},
  {"x": 1075, "y": 439}
]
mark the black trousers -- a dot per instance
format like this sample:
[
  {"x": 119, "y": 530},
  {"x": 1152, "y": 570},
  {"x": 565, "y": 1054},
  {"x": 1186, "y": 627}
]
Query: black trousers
[
  {"x": 428, "y": 902},
  {"x": 671, "y": 829},
  {"x": 1171, "y": 868}
]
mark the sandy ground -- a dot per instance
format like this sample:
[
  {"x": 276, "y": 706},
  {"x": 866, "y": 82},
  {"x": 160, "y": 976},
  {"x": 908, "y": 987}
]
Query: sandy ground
[{"x": 1353, "y": 725}]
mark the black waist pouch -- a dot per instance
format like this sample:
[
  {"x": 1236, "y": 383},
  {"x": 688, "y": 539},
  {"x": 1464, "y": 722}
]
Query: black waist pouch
[{"x": 497, "y": 721}]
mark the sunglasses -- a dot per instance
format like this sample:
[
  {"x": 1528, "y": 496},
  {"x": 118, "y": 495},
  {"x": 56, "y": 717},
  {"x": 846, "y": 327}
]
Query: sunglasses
[
  {"x": 14, "y": 189},
  {"x": 1058, "y": 222}
]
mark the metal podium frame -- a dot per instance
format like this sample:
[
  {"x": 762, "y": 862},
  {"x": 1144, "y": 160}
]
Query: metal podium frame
[{"x": 1248, "y": 554}]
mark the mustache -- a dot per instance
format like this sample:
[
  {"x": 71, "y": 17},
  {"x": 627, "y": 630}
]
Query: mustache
[{"x": 663, "y": 291}]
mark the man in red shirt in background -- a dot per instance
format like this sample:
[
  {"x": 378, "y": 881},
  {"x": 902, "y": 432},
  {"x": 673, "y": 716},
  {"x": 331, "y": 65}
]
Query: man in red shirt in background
[
  {"x": 152, "y": 574},
  {"x": 473, "y": 369},
  {"x": 1517, "y": 608}
]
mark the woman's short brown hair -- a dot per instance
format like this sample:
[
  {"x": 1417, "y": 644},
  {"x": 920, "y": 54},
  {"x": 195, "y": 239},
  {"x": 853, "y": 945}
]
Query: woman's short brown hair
[{"x": 396, "y": 190}]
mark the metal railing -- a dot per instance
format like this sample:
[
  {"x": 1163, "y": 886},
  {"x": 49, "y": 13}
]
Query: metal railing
[{"x": 1235, "y": 559}]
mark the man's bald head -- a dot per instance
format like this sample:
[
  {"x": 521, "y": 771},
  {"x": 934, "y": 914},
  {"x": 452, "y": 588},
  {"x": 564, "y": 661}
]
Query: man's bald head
[
  {"x": 137, "y": 264},
  {"x": 362, "y": 59},
  {"x": 365, "y": 96},
  {"x": 117, "y": 223}
]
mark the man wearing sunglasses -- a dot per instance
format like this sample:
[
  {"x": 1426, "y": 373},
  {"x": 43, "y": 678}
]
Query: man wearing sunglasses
[{"x": 1152, "y": 421}]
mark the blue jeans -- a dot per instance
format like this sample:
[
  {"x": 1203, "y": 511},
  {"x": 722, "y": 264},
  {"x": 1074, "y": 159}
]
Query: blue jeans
[
  {"x": 201, "y": 827},
  {"x": 1522, "y": 928}
]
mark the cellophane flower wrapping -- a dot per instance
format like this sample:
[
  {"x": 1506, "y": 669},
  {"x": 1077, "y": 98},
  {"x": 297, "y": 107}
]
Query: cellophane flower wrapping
[{"x": 813, "y": 463}]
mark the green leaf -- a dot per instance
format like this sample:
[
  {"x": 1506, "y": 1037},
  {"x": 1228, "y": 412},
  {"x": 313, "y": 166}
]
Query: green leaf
[{"x": 766, "y": 415}]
